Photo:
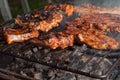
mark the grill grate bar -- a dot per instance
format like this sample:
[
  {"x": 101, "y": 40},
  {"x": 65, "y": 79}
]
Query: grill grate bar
[
  {"x": 8, "y": 75},
  {"x": 90, "y": 59},
  {"x": 99, "y": 61},
  {"x": 111, "y": 68},
  {"x": 64, "y": 59},
  {"x": 66, "y": 68},
  {"x": 76, "y": 60},
  {"x": 63, "y": 68}
]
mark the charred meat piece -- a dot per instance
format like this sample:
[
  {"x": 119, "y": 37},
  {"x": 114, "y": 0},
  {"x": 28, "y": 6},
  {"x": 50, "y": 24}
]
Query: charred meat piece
[
  {"x": 52, "y": 22},
  {"x": 42, "y": 14},
  {"x": 91, "y": 35},
  {"x": 95, "y": 39},
  {"x": 54, "y": 40},
  {"x": 35, "y": 16},
  {"x": 67, "y": 9},
  {"x": 19, "y": 35},
  {"x": 104, "y": 22},
  {"x": 90, "y": 28},
  {"x": 44, "y": 25},
  {"x": 31, "y": 31}
]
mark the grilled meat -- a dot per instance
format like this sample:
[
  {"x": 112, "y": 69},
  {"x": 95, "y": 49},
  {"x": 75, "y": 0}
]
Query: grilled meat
[
  {"x": 54, "y": 40},
  {"x": 90, "y": 28},
  {"x": 19, "y": 35},
  {"x": 96, "y": 39},
  {"x": 104, "y": 22},
  {"x": 77, "y": 32},
  {"x": 52, "y": 22},
  {"x": 64, "y": 8},
  {"x": 45, "y": 25},
  {"x": 82, "y": 30},
  {"x": 90, "y": 35},
  {"x": 42, "y": 14},
  {"x": 31, "y": 31}
]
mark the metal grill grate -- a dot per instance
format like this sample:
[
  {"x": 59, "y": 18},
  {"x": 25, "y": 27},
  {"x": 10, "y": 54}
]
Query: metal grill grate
[
  {"x": 78, "y": 59},
  {"x": 8, "y": 75}
]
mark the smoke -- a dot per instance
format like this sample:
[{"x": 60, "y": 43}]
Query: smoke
[
  {"x": 111, "y": 3},
  {"x": 102, "y": 3}
]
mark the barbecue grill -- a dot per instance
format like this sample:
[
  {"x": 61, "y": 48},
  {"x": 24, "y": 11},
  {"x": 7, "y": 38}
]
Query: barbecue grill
[{"x": 79, "y": 59}]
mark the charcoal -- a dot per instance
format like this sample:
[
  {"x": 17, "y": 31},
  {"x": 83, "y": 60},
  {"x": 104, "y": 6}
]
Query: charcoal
[
  {"x": 38, "y": 76},
  {"x": 79, "y": 57}
]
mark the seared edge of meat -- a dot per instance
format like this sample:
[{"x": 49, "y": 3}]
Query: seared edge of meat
[
  {"x": 54, "y": 40},
  {"x": 12, "y": 35}
]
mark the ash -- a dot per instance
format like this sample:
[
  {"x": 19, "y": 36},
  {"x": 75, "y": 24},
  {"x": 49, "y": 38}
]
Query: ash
[{"x": 41, "y": 72}]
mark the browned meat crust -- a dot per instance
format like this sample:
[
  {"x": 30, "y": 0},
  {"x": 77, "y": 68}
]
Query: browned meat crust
[
  {"x": 82, "y": 33},
  {"x": 19, "y": 35},
  {"x": 39, "y": 15},
  {"x": 90, "y": 28},
  {"x": 54, "y": 40},
  {"x": 65, "y": 8}
]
